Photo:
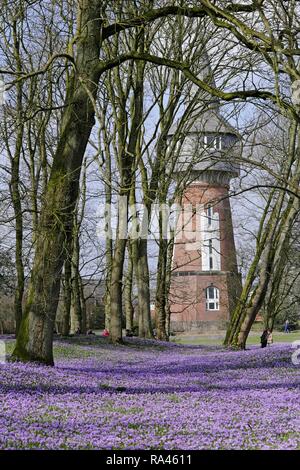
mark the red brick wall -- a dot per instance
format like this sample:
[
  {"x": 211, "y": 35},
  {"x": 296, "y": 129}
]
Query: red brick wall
[{"x": 187, "y": 294}]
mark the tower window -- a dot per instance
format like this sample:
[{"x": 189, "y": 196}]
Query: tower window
[
  {"x": 218, "y": 143},
  {"x": 209, "y": 215},
  {"x": 212, "y": 298},
  {"x": 210, "y": 253},
  {"x": 212, "y": 141}
]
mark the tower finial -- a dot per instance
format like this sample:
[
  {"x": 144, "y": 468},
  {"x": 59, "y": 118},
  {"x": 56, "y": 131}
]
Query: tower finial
[{"x": 205, "y": 74}]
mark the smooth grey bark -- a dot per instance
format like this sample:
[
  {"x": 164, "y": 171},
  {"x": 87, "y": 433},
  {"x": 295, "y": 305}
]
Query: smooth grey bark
[
  {"x": 67, "y": 293},
  {"x": 128, "y": 306},
  {"x": 83, "y": 307},
  {"x": 76, "y": 312},
  {"x": 126, "y": 168},
  {"x": 108, "y": 238},
  {"x": 143, "y": 284}
]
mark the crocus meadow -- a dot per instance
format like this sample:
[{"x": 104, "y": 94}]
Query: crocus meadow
[{"x": 151, "y": 395}]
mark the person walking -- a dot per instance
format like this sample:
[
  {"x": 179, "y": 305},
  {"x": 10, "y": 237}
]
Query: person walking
[
  {"x": 264, "y": 339},
  {"x": 286, "y": 327}
]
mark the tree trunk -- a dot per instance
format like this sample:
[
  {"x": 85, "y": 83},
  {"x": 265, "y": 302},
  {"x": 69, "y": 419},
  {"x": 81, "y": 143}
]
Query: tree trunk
[
  {"x": 274, "y": 257},
  {"x": 107, "y": 303},
  {"x": 108, "y": 236},
  {"x": 34, "y": 341},
  {"x": 145, "y": 327},
  {"x": 76, "y": 313},
  {"x": 269, "y": 234},
  {"x": 168, "y": 284},
  {"x": 161, "y": 301},
  {"x": 67, "y": 292},
  {"x": 116, "y": 291},
  {"x": 269, "y": 255},
  {"x": 256, "y": 303},
  {"x": 265, "y": 239},
  {"x": 84, "y": 324},
  {"x": 14, "y": 187},
  {"x": 19, "y": 289},
  {"x": 249, "y": 304},
  {"x": 129, "y": 310},
  {"x": 127, "y": 160},
  {"x": 140, "y": 259}
]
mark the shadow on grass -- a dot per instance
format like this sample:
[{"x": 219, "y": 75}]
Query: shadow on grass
[{"x": 104, "y": 390}]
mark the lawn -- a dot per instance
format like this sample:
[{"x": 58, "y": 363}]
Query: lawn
[
  {"x": 217, "y": 340},
  {"x": 150, "y": 395}
]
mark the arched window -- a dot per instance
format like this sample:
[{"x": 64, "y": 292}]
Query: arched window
[{"x": 212, "y": 298}]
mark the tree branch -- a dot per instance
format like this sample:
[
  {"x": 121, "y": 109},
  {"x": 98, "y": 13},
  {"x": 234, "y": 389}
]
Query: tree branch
[
  {"x": 25, "y": 75},
  {"x": 185, "y": 68},
  {"x": 195, "y": 12}
]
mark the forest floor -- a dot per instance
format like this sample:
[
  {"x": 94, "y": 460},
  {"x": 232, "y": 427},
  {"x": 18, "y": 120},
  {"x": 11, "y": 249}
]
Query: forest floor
[{"x": 151, "y": 395}]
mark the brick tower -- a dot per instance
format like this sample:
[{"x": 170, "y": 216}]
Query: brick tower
[{"x": 205, "y": 280}]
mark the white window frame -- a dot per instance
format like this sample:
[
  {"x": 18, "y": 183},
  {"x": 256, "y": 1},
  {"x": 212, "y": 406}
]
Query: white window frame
[
  {"x": 205, "y": 143},
  {"x": 212, "y": 303},
  {"x": 216, "y": 144}
]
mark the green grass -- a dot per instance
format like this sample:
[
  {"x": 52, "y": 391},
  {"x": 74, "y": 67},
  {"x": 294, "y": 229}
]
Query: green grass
[
  {"x": 72, "y": 351},
  {"x": 215, "y": 340},
  {"x": 67, "y": 350}
]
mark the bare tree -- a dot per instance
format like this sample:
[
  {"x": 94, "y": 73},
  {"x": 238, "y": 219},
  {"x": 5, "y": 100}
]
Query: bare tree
[{"x": 269, "y": 36}]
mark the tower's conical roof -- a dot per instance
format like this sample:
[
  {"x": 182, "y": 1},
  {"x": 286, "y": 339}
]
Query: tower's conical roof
[
  {"x": 208, "y": 120},
  {"x": 205, "y": 116},
  {"x": 208, "y": 141}
]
